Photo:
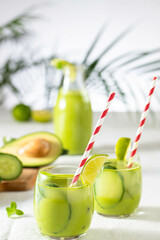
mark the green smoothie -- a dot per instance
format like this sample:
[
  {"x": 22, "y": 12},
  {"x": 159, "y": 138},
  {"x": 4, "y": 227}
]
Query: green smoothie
[
  {"x": 60, "y": 210},
  {"x": 73, "y": 120},
  {"x": 117, "y": 189}
]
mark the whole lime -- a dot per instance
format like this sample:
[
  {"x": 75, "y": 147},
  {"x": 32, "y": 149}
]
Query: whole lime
[{"x": 21, "y": 112}]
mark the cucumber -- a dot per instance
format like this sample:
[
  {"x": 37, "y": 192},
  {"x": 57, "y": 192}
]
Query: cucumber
[
  {"x": 10, "y": 166},
  {"x": 132, "y": 180},
  {"x": 54, "y": 211},
  {"x": 111, "y": 164},
  {"x": 109, "y": 167},
  {"x": 108, "y": 188}
]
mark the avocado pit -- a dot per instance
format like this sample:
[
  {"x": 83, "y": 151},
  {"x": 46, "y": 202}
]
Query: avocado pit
[{"x": 38, "y": 147}]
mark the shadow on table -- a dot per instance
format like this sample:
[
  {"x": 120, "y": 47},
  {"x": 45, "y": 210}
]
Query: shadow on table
[
  {"x": 120, "y": 234},
  {"x": 147, "y": 214},
  {"x": 95, "y": 234}
]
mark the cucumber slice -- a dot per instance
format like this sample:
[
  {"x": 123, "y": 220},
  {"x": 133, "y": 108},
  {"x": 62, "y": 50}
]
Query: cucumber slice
[
  {"x": 109, "y": 167},
  {"x": 110, "y": 164},
  {"x": 108, "y": 188},
  {"x": 50, "y": 184},
  {"x": 10, "y": 166},
  {"x": 54, "y": 212},
  {"x": 132, "y": 182}
]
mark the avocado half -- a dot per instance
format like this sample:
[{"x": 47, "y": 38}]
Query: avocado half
[{"x": 35, "y": 149}]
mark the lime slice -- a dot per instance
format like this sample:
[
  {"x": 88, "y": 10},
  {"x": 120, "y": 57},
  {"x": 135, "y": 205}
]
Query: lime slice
[
  {"x": 21, "y": 112},
  {"x": 92, "y": 168},
  {"x": 42, "y": 115},
  {"x": 122, "y": 147},
  {"x": 68, "y": 68}
]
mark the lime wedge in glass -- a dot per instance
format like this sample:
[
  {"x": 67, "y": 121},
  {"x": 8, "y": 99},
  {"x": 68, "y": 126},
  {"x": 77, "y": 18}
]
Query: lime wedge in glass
[
  {"x": 92, "y": 168},
  {"x": 122, "y": 147}
]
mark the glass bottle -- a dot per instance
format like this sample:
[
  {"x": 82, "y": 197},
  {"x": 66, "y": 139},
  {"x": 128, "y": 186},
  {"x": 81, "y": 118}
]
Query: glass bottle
[{"x": 73, "y": 114}]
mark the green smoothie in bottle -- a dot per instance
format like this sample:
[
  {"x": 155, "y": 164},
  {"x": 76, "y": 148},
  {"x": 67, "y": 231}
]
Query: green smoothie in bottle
[{"x": 72, "y": 112}]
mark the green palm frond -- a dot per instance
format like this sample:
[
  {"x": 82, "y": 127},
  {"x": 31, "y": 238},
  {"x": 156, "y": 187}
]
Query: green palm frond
[
  {"x": 117, "y": 59},
  {"x": 95, "y": 41},
  {"x": 10, "y": 68},
  {"x": 131, "y": 58},
  {"x": 132, "y": 93},
  {"x": 104, "y": 77},
  {"x": 117, "y": 87},
  {"x": 148, "y": 64},
  {"x": 123, "y": 61},
  {"x": 139, "y": 57},
  {"x": 92, "y": 66},
  {"x": 104, "y": 82},
  {"x": 156, "y": 69},
  {"x": 16, "y": 30}
]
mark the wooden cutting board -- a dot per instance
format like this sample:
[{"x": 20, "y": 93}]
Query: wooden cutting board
[{"x": 25, "y": 181}]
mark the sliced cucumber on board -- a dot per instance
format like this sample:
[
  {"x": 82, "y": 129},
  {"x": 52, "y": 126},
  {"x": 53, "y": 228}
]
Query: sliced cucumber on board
[{"x": 10, "y": 167}]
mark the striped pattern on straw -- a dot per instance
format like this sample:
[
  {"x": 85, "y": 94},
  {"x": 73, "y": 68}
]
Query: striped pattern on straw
[
  {"x": 92, "y": 140},
  {"x": 142, "y": 122}
]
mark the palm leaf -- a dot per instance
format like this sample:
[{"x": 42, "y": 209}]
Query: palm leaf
[
  {"x": 132, "y": 93},
  {"x": 156, "y": 69},
  {"x": 15, "y": 29},
  {"x": 105, "y": 84},
  {"x": 131, "y": 59},
  {"x": 114, "y": 60},
  {"x": 99, "y": 34},
  {"x": 140, "y": 56},
  {"x": 92, "y": 66},
  {"x": 119, "y": 90},
  {"x": 143, "y": 65},
  {"x": 13, "y": 88}
]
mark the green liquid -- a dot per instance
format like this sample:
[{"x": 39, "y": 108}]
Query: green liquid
[
  {"x": 118, "y": 191},
  {"x": 62, "y": 211},
  {"x": 73, "y": 120}
]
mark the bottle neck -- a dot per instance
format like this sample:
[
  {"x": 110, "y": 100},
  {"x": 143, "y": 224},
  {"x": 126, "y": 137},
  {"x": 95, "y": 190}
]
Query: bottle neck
[{"x": 77, "y": 83}]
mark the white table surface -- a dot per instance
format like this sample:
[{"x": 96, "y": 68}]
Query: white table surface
[{"x": 145, "y": 224}]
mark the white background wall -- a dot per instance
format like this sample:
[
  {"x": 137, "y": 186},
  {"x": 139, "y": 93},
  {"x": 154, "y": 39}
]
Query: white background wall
[
  {"x": 72, "y": 24},
  {"x": 69, "y": 26}
]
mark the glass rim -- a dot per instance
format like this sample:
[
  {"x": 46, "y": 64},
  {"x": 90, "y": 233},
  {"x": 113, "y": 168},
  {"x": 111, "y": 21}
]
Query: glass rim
[
  {"x": 112, "y": 155},
  {"x": 83, "y": 185},
  {"x": 114, "y": 160}
]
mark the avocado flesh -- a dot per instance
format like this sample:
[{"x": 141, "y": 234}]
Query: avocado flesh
[{"x": 55, "y": 149}]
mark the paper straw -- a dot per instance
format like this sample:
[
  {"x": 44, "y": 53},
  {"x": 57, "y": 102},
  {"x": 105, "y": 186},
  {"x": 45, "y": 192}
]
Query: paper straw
[
  {"x": 92, "y": 139},
  {"x": 142, "y": 122}
]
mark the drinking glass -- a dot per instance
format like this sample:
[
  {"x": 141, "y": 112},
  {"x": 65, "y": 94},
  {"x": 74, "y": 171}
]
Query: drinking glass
[
  {"x": 117, "y": 188},
  {"x": 61, "y": 211}
]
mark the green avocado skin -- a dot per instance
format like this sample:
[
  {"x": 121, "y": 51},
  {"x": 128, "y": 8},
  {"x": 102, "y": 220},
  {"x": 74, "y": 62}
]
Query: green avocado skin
[{"x": 56, "y": 148}]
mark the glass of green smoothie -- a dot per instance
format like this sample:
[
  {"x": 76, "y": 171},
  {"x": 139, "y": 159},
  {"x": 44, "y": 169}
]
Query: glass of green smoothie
[
  {"x": 61, "y": 211},
  {"x": 117, "y": 188}
]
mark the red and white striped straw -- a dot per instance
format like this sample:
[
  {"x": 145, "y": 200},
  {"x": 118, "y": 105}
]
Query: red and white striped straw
[
  {"x": 92, "y": 139},
  {"x": 142, "y": 122}
]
